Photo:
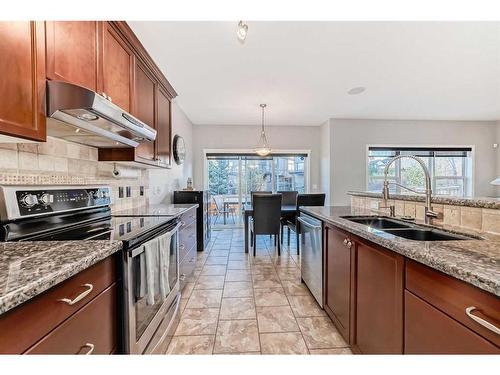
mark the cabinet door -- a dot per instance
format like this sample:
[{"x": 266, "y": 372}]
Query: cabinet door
[
  {"x": 338, "y": 279},
  {"x": 72, "y": 52},
  {"x": 163, "y": 138},
  {"x": 379, "y": 300},
  {"x": 22, "y": 86},
  {"x": 145, "y": 88},
  {"x": 429, "y": 331},
  {"x": 117, "y": 68}
]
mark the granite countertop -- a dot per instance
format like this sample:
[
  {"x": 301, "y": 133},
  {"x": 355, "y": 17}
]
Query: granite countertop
[
  {"x": 157, "y": 210},
  {"x": 479, "y": 202},
  {"x": 474, "y": 261},
  {"x": 30, "y": 268}
]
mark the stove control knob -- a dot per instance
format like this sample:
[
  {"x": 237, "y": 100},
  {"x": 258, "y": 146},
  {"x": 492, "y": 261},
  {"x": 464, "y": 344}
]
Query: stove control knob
[
  {"x": 47, "y": 199},
  {"x": 29, "y": 200},
  {"x": 98, "y": 194}
]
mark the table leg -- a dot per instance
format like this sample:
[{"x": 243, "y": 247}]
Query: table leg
[
  {"x": 245, "y": 218},
  {"x": 225, "y": 212}
]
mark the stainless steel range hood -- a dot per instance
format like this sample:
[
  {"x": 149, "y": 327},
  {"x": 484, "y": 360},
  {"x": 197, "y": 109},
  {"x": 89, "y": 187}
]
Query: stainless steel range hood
[{"x": 88, "y": 118}]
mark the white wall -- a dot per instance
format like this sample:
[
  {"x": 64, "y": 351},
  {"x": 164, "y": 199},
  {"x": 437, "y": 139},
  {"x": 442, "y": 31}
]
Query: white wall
[
  {"x": 163, "y": 182},
  {"x": 246, "y": 137},
  {"x": 350, "y": 137},
  {"x": 325, "y": 158}
]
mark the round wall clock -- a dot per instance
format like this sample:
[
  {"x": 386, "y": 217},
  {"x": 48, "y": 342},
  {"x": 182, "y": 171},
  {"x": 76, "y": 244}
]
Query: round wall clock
[{"x": 179, "y": 149}]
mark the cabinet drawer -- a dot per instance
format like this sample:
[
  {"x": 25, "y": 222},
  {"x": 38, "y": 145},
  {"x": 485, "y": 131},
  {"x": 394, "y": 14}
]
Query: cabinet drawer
[
  {"x": 429, "y": 331},
  {"x": 188, "y": 217},
  {"x": 43, "y": 313},
  {"x": 453, "y": 296},
  {"x": 187, "y": 239},
  {"x": 187, "y": 266},
  {"x": 91, "y": 330}
]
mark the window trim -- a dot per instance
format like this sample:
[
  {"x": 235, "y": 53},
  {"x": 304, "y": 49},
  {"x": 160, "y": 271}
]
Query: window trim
[{"x": 469, "y": 188}]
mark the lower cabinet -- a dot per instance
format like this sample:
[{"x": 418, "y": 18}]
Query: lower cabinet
[
  {"x": 379, "y": 300},
  {"x": 430, "y": 331},
  {"x": 187, "y": 246}
]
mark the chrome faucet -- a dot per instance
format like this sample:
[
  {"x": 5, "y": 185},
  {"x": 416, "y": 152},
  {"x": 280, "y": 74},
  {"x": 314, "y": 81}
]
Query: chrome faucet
[{"x": 429, "y": 214}]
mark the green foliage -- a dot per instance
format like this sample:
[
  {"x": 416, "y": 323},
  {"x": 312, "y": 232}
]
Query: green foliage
[{"x": 218, "y": 173}]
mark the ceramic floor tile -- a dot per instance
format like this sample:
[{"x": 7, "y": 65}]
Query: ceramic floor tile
[
  {"x": 209, "y": 282},
  {"x": 330, "y": 351},
  {"x": 294, "y": 288},
  {"x": 305, "y": 306},
  {"x": 237, "y": 336},
  {"x": 216, "y": 260},
  {"x": 320, "y": 333},
  {"x": 237, "y": 308},
  {"x": 187, "y": 290},
  {"x": 262, "y": 275},
  {"x": 282, "y": 343},
  {"x": 219, "y": 253},
  {"x": 292, "y": 274},
  {"x": 202, "y": 299},
  {"x": 219, "y": 270},
  {"x": 268, "y": 283},
  {"x": 238, "y": 275},
  {"x": 198, "y": 322},
  {"x": 191, "y": 345},
  {"x": 270, "y": 297},
  {"x": 238, "y": 256},
  {"x": 276, "y": 319},
  {"x": 237, "y": 289},
  {"x": 238, "y": 265}
]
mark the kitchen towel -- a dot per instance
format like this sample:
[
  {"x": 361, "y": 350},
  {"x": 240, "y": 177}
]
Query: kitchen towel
[
  {"x": 164, "y": 248},
  {"x": 151, "y": 251}
]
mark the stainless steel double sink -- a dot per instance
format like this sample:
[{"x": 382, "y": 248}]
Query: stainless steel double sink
[{"x": 410, "y": 231}]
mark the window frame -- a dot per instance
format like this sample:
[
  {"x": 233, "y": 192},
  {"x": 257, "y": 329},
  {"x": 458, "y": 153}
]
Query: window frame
[{"x": 468, "y": 179}]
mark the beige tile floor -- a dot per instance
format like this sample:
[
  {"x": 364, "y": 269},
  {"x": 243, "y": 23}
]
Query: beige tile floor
[{"x": 240, "y": 304}]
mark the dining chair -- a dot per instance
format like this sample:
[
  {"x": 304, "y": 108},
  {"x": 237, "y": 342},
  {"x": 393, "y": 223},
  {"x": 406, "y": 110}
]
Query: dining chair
[
  {"x": 266, "y": 218},
  {"x": 252, "y": 193},
  {"x": 314, "y": 199},
  {"x": 289, "y": 198}
]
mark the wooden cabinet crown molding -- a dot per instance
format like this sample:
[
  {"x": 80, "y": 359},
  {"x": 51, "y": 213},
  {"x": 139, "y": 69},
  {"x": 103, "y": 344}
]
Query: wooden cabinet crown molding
[{"x": 124, "y": 29}]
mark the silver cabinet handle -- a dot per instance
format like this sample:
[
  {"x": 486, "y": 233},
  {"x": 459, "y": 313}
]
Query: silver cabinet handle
[
  {"x": 345, "y": 241},
  {"x": 192, "y": 260},
  {"x": 483, "y": 322},
  {"x": 182, "y": 246},
  {"x": 91, "y": 348},
  {"x": 349, "y": 244},
  {"x": 81, "y": 296},
  {"x": 182, "y": 276}
]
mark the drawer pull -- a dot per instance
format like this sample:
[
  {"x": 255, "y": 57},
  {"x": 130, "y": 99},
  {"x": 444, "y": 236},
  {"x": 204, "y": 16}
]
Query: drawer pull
[
  {"x": 345, "y": 241},
  {"x": 183, "y": 223},
  {"x": 182, "y": 246},
  {"x": 349, "y": 244},
  {"x": 483, "y": 322},
  {"x": 182, "y": 276},
  {"x": 84, "y": 294},
  {"x": 91, "y": 348},
  {"x": 192, "y": 260}
]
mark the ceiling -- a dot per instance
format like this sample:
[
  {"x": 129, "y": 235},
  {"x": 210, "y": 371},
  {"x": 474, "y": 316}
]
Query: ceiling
[{"x": 303, "y": 70}]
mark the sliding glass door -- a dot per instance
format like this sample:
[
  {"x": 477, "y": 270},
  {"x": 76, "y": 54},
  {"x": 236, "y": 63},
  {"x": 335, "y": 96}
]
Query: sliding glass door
[{"x": 231, "y": 178}]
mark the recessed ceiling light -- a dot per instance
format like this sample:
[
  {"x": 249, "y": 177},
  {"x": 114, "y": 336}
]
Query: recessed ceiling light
[
  {"x": 242, "y": 31},
  {"x": 356, "y": 90}
]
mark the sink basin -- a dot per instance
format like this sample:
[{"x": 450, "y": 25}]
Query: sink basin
[
  {"x": 418, "y": 234},
  {"x": 377, "y": 222}
]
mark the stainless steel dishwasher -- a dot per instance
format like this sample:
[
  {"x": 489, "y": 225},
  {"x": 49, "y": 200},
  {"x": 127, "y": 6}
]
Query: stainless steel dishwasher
[{"x": 311, "y": 254}]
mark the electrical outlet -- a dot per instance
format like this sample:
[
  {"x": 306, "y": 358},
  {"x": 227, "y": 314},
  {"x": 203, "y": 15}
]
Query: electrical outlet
[
  {"x": 141, "y": 191},
  {"x": 120, "y": 192},
  {"x": 128, "y": 191}
]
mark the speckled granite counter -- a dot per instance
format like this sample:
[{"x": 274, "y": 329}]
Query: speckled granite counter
[
  {"x": 474, "y": 261},
  {"x": 30, "y": 268},
  {"x": 478, "y": 202}
]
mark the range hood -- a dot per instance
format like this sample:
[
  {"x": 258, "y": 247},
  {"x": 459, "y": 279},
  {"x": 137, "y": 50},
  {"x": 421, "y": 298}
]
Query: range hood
[{"x": 86, "y": 117}]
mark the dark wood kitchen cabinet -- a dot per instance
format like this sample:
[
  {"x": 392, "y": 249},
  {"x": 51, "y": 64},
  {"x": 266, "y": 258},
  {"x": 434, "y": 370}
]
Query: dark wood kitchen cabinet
[
  {"x": 48, "y": 325},
  {"x": 22, "y": 86},
  {"x": 164, "y": 128},
  {"x": 72, "y": 52},
  {"x": 339, "y": 262},
  {"x": 145, "y": 106},
  {"x": 117, "y": 81},
  {"x": 379, "y": 284}
]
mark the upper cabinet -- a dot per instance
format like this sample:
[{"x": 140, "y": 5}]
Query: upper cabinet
[
  {"x": 145, "y": 88},
  {"x": 72, "y": 52},
  {"x": 117, "y": 68},
  {"x": 22, "y": 86},
  {"x": 164, "y": 128}
]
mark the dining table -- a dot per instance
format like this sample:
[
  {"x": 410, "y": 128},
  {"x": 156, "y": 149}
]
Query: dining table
[{"x": 286, "y": 209}]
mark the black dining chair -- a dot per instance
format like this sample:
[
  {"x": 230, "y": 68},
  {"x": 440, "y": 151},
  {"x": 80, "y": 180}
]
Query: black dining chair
[
  {"x": 315, "y": 199},
  {"x": 252, "y": 193},
  {"x": 289, "y": 199},
  {"x": 266, "y": 218}
]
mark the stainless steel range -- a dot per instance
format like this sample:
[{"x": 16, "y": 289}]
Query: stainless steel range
[{"x": 149, "y": 261}]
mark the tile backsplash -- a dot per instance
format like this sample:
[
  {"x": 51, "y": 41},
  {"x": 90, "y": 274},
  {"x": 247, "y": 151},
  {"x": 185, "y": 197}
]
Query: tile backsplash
[
  {"x": 471, "y": 218},
  {"x": 57, "y": 162}
]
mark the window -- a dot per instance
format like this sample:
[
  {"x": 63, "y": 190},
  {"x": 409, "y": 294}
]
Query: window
[{"x": 450, "y": 169}]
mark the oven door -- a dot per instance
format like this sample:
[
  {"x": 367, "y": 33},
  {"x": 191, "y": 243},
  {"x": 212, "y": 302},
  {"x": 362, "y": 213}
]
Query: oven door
[{"x": 152, "y": 289}]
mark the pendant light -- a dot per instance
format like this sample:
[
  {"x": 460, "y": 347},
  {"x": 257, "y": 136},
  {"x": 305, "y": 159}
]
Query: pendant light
[{"x": 263, "y": 148}]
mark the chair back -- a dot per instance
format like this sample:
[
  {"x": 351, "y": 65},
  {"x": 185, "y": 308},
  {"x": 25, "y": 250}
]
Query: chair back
[
  {"x": 219, "y": 202},
  {"x": 266, "y": 213},
  {"x": 258, "y": 192},
  {"x": 315, "y": 199},
  {"x": 289, "y": 198}
]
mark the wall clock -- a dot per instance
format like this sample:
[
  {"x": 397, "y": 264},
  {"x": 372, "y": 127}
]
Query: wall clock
[{"x": 179, "y": 149}]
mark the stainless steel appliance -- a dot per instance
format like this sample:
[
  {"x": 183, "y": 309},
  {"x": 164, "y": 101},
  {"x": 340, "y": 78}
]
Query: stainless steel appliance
[
  {"x": 150, "y": 309},
  {"x": 89, "y": 118},
  {"x": 311, "y": 254}
]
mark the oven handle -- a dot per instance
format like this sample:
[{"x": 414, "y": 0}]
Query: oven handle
[{"x": 139, "y": 250}]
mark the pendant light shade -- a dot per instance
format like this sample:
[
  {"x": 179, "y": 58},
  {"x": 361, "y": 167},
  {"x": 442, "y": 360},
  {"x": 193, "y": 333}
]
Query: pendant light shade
[{"x": 263, "y": 148}]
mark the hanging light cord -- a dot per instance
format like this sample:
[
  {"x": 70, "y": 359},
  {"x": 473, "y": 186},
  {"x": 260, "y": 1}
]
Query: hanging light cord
[{"x": 263, "y": 106}]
